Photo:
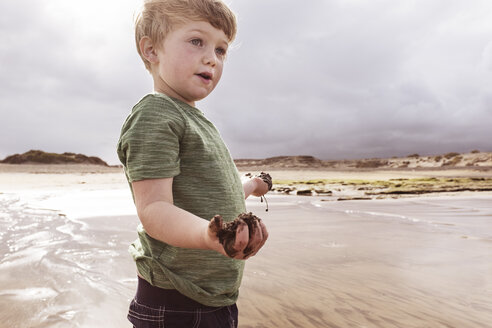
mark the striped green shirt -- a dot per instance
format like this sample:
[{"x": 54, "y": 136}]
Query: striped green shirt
[{"x": 164, "y": 137}]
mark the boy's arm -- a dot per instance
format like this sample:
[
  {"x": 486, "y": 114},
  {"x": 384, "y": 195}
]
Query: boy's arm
[{"x": 168, "y": 223}]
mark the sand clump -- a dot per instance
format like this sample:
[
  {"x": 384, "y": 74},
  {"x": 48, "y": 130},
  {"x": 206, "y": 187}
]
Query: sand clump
[{"x": 226, "y": 231}]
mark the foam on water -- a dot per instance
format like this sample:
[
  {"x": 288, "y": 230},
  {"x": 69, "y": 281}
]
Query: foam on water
[
  {"x": 87, "y": 203},
  {"x": 29, "y": 294},
  {"x": 468, "y": 216},
  {"x": 380, "y": 215}
]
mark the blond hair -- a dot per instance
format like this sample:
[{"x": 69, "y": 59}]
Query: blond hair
[{"x": 158, "y": 17}]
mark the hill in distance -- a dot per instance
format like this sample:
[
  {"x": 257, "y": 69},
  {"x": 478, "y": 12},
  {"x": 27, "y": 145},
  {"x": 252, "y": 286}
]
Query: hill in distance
[
  {"x": 474, "y": 159},
  {"x": 41, "y": 157}
]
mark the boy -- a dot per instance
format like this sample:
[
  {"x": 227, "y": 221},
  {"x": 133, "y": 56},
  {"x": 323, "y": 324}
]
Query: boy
[{"x": 181, "y": 173}]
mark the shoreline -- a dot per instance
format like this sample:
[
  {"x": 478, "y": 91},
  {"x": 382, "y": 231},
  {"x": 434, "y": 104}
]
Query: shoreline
[
  {"x": 334, "y": 184},
  {"x": 345, "y": 183}
]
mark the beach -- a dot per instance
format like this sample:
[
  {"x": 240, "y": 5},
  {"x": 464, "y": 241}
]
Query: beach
[{"x": 417, "y": 261}]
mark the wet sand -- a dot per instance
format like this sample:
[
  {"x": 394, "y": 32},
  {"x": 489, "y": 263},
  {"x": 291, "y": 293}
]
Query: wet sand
[
  {"x": 389, "y": 263},
  {"x": 419, "y": 262}
]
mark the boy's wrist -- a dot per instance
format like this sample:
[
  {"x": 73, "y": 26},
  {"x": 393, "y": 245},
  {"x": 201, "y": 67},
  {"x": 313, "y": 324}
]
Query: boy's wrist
[{"x": 211, "y": 242}]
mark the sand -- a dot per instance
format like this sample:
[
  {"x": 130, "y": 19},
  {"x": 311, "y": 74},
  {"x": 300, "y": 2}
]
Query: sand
[
  {"x": 389, "y": 263},
  {"x": 409, "y": 262}
]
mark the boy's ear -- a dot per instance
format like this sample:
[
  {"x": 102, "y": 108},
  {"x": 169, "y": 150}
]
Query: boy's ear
[{"x": 148, "y": 50}]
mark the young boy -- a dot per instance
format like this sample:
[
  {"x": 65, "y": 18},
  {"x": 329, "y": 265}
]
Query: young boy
[{"x": 181, "y": 174}]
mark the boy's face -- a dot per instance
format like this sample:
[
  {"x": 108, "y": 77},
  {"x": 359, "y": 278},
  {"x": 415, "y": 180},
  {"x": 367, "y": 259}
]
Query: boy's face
[{"x": 190, "y": 61}]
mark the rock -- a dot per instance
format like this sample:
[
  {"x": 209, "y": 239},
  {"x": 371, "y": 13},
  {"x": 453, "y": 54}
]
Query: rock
[
  {"x": 304, "y": 192},
  {"x": 323, "y": 192},
  {"x": 285, "y": 190},
  {"x": 353, "y": 198}
]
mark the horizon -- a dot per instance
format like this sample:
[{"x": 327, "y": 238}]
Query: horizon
[{"x": 272, "y": 157}]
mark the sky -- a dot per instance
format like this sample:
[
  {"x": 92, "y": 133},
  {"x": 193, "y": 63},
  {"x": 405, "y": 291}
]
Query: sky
[{"x": 335, "y": 79}]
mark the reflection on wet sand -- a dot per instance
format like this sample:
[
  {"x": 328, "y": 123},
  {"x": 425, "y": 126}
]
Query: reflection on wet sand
[
  {"x": 57, "y": 272},
  {"x": 421, "y": 262}
]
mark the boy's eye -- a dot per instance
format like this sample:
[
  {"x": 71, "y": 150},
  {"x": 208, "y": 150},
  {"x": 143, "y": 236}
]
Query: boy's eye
[
  {"x": 220, "y": 51},
  {"x": 196, "y": 42}
]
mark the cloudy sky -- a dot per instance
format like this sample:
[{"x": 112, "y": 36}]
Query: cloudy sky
[{"x": 330, "y": 78}]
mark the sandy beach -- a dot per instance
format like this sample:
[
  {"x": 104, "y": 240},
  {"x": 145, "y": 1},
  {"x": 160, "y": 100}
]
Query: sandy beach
[{"x": 397, "y": 262}]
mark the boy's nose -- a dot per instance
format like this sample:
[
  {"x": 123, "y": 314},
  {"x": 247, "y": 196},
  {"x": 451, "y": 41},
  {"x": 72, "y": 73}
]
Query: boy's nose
[{"x": 210, "y": 58}]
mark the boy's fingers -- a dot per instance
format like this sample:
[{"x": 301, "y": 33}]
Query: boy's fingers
[
  {"x": 264, "y": 232},
  {"x": 242, "y": 238},
  {"x": 267, "y": 179},
  {"x": 264, "y": 237},
  {"x": 255, "y": 238}
]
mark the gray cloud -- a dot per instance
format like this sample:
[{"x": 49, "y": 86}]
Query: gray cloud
[
  {"x": 63, "y": 90},
  {"x": 356, "y": 79},
  {"x": 335, "y": 79}
]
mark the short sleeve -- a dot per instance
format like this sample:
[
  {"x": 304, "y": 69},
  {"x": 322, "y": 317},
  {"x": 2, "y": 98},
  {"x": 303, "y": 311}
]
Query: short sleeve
[{"x": 150, "y": 137}]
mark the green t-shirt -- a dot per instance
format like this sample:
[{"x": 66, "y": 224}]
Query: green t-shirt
[{"x": 164, "y": 137}]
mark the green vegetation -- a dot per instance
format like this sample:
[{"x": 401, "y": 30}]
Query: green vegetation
[
  {"x": 327, "y": 182},
  {"x": 389, "y": 187},
  {"x": 432, "y": 185}
]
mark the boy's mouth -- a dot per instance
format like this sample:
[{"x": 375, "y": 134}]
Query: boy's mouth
[{"x": 205, "y": 75}]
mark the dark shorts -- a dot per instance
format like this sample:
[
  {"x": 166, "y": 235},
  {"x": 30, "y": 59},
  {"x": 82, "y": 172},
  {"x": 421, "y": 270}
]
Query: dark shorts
[{"x": 155, "y": 307}]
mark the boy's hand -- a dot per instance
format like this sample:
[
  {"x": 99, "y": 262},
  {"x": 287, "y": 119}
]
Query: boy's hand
[
  {"x": 263, "y": 183},
  {"x": 261, "y": 187},
  {"x": 239, "y": 239}
]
